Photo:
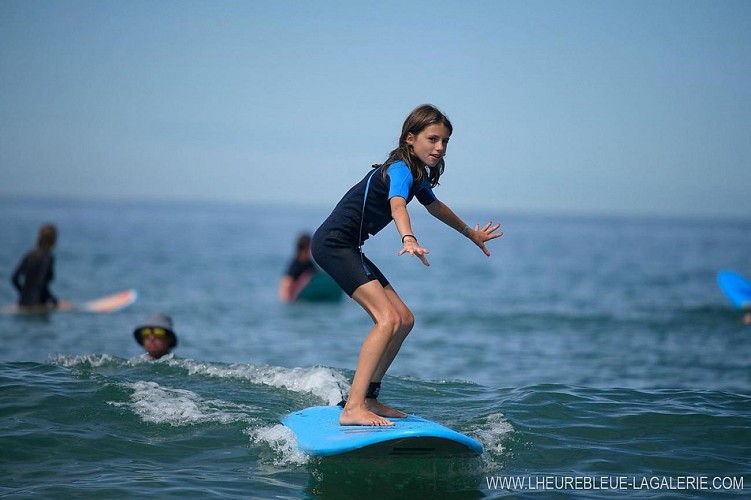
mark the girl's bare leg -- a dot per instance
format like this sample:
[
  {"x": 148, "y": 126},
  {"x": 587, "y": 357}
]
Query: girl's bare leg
[
  {"x": 407, "y": 322},
  {"x": 375, "y": 300}
]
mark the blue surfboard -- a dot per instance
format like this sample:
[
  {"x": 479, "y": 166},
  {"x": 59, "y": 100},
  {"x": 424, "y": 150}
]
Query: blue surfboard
[
  {"x": 736, "y": 288},
  {"x": 319, "y": 434}
]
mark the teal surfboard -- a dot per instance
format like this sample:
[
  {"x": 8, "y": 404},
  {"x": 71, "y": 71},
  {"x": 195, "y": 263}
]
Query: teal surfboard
[
  {"x": 736, "y": 288},
  {"x": 319, "y": 434},
  {"x": 316, "y": 287}
]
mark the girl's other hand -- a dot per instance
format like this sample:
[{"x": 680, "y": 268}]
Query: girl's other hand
[{"x": 487, "y": 233}]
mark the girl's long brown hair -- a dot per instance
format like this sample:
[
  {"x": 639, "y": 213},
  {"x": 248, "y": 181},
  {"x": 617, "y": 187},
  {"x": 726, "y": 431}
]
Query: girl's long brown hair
[{"x": 421, "y": 117}]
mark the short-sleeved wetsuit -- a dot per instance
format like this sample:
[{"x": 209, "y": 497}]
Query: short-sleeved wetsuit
[
  {"x": 336, "y": 245},
  {"x": 299, "y": 267},
  {"x": 37, "y": 272}
]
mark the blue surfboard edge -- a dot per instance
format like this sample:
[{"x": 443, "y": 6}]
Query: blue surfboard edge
[
  {"x": 319, "y": 434},
  {"x": 736, "y": 288}
]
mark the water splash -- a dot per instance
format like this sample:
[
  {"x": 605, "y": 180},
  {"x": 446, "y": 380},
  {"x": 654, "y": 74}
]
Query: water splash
[
  {"x": 178, "y": 407},
  {"x": 282, "y": 443},
  {"x": 325, "y": 383}
]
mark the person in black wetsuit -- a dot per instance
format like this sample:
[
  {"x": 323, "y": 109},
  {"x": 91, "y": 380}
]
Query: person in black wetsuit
[
  {"x": 35, "y": 272},
  {"x": 300, "y": 264},
  {"x": 411, "y": 171}
]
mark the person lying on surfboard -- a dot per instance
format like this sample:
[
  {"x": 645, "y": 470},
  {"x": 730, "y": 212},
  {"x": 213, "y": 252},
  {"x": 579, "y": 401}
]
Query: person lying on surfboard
[
  {"x": 412, "y": 170},
  {"x": 301, "y": 263},
  {"x": 35, "y": 272},
  {"x": 156, "y": 336}
]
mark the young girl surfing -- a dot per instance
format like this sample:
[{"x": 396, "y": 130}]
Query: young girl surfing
[{"x": 411, "y": 171}]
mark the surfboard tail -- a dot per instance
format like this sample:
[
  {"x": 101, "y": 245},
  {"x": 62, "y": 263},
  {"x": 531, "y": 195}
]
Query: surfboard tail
[{"x": 110, "y": 303}]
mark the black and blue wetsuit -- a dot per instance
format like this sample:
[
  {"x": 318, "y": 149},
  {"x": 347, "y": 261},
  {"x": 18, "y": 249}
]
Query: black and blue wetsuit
[{"x": 337, "y": 243}]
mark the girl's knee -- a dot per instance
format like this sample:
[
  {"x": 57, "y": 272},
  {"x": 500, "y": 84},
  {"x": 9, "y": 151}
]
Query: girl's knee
[
  {"x": 391, "y": 321},
  {"x": 408, "y": 321},
  {"x": 405, "y": 322}
]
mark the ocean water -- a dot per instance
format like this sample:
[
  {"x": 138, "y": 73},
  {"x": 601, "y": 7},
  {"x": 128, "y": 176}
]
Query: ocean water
[{"x": 591, "y": 356}]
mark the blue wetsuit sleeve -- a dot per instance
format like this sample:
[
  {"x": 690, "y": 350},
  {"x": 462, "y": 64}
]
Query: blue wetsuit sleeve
[
  {"x": 401, "y": 183},
  {"x": 400, "y": 180}
]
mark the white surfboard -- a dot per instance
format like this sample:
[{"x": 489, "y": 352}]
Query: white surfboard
[
  {"x": 107, "y": 304},
  {"x": 319, "y": 434}
]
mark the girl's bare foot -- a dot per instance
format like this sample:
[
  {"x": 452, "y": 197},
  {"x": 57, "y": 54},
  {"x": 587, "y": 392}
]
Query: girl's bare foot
[
  {"x": 381, "y": 409},
  {"x": 361, "y": 416}
]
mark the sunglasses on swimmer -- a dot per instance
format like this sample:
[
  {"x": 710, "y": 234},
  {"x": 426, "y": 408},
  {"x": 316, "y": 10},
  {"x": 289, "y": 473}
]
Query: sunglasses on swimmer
[{"x": 159, "y": 333}]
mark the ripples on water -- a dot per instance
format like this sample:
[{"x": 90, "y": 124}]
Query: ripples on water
[
  {"x": 583, "y": 346},
  {"x": 128, "y": 427}
]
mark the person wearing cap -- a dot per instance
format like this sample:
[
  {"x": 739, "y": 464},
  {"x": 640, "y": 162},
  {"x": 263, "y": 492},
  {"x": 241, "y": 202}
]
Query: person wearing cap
[{"x": 156, "y": 336}]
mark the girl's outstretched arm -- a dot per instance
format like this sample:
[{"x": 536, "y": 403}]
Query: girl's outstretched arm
[
  {"x": 404, "y": 226},
  {"x": 478, "y": 235}
]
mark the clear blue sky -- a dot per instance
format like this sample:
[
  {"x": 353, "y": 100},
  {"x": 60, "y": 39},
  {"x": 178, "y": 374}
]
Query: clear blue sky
[{"x": 634, "y": 107}]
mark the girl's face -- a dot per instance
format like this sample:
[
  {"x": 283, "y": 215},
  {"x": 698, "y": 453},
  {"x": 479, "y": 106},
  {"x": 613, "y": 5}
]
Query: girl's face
[{"x": 430, "y": 144}]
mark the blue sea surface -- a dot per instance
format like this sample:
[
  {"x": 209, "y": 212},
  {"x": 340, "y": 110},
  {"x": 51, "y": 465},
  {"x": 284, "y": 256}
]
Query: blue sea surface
[{"x": 591, "y": 356}]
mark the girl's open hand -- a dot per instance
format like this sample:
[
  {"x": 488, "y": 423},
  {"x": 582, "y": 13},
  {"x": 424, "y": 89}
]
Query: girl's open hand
[
  {"x": 487, "y": 233},
  {"x": 411, "y": 247}
]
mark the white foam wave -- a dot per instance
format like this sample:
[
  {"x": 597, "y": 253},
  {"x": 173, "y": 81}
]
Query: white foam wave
[
  {"x": 282, "y": 442},
  {"x": 178, "y": 407},
  {"x": 491, "y": 433},
  {"x": 325, "y": 383},
  {"x": 86, "y": 359},
  {"x": 319, "y": 381}
]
